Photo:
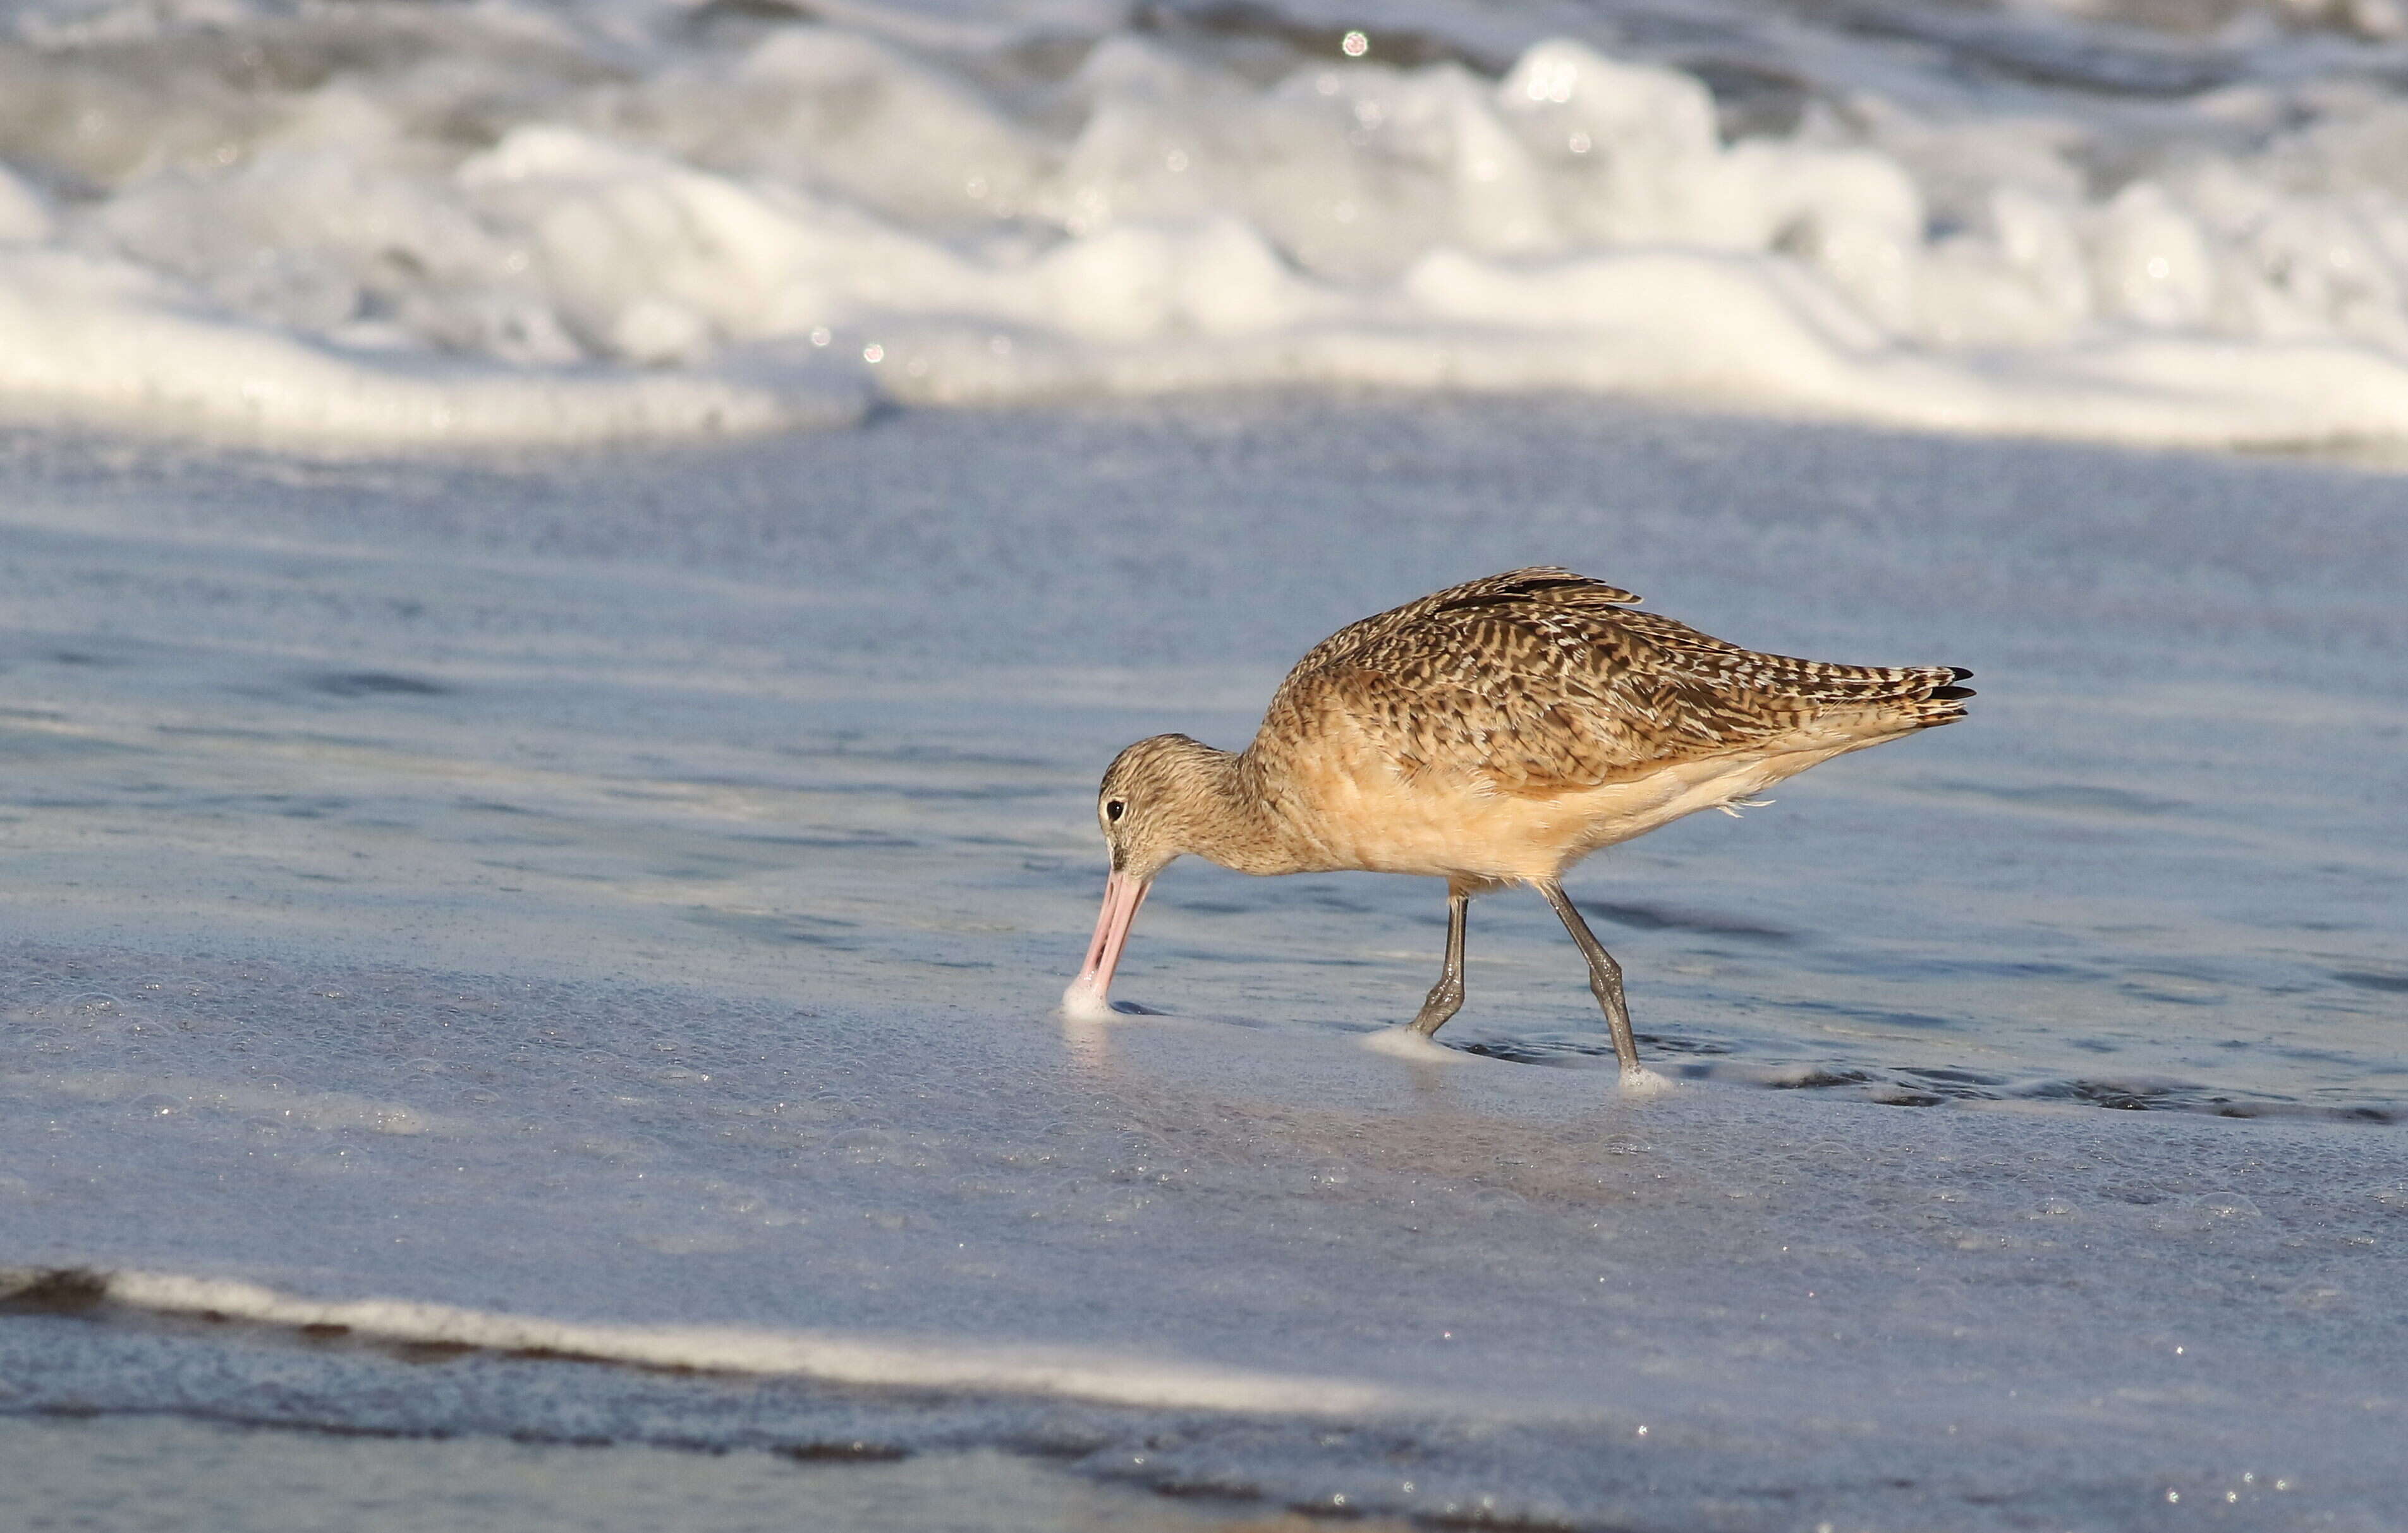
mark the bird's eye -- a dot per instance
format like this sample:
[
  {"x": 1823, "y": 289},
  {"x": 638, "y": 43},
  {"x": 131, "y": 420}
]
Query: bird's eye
[{"x": 1114, "y": 809}]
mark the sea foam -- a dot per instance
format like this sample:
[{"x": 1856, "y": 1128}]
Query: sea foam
[{"x": 518, "y": 224}]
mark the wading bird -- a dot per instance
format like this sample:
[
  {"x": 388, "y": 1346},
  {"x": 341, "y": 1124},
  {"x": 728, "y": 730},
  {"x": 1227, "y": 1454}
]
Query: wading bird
[{"x": 1492, "y": 734}]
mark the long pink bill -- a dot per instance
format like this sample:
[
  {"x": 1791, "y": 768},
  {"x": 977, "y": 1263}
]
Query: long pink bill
[{"x": 1089, "y": 994}]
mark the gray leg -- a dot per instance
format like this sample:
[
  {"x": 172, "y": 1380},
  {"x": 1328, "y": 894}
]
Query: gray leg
[
  {"x": 1446, "y": 997},
  {"x": 1604, "y": 976}
]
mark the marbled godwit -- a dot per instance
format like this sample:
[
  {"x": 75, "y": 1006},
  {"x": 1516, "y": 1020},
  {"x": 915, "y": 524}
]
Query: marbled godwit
[{"x": 1493, "y": 734}]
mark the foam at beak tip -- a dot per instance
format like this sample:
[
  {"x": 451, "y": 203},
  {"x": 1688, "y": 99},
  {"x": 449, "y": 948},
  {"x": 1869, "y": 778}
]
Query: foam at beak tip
[{"x": 1083, "y": 1002}]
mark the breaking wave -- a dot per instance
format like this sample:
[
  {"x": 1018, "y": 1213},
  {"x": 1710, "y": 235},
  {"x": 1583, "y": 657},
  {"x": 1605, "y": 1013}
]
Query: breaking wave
[{"x": 396, "y": 224}]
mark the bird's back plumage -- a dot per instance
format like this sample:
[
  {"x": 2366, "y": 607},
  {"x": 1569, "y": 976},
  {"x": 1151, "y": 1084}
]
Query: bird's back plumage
[{"x": 1540, "y": 683}]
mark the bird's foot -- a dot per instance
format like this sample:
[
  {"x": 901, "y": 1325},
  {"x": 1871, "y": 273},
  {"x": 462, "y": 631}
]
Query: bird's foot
[{"x": 1438, "y": 1010}]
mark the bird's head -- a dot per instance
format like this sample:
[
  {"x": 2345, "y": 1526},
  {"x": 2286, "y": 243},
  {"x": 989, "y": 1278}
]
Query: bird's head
[
  {"x": 1152, "y": 797},
  {"x": 1152, "y": 807}
]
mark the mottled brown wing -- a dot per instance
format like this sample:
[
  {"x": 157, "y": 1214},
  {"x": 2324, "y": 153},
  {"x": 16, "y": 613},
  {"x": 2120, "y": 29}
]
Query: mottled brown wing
[{"x": 1539, "y": 680}]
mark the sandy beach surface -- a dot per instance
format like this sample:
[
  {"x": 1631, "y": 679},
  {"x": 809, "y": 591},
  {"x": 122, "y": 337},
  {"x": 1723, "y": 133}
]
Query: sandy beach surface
[
  {"x": 107, "y": 1473},
  {"x": 509, "y": 957}
]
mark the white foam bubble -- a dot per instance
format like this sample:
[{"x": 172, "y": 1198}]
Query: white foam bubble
[
  {"x": 1404, "y": 1044},
  {"x": 1639, "y": 1081}
]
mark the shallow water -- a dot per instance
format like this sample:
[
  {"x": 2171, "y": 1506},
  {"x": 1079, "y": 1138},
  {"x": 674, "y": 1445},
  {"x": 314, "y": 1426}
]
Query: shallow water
[{"x": 469, "y": 916}]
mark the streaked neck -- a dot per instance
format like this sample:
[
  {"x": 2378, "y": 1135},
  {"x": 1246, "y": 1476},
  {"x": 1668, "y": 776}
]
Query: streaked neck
[{"x": 1236, "y": 819}]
